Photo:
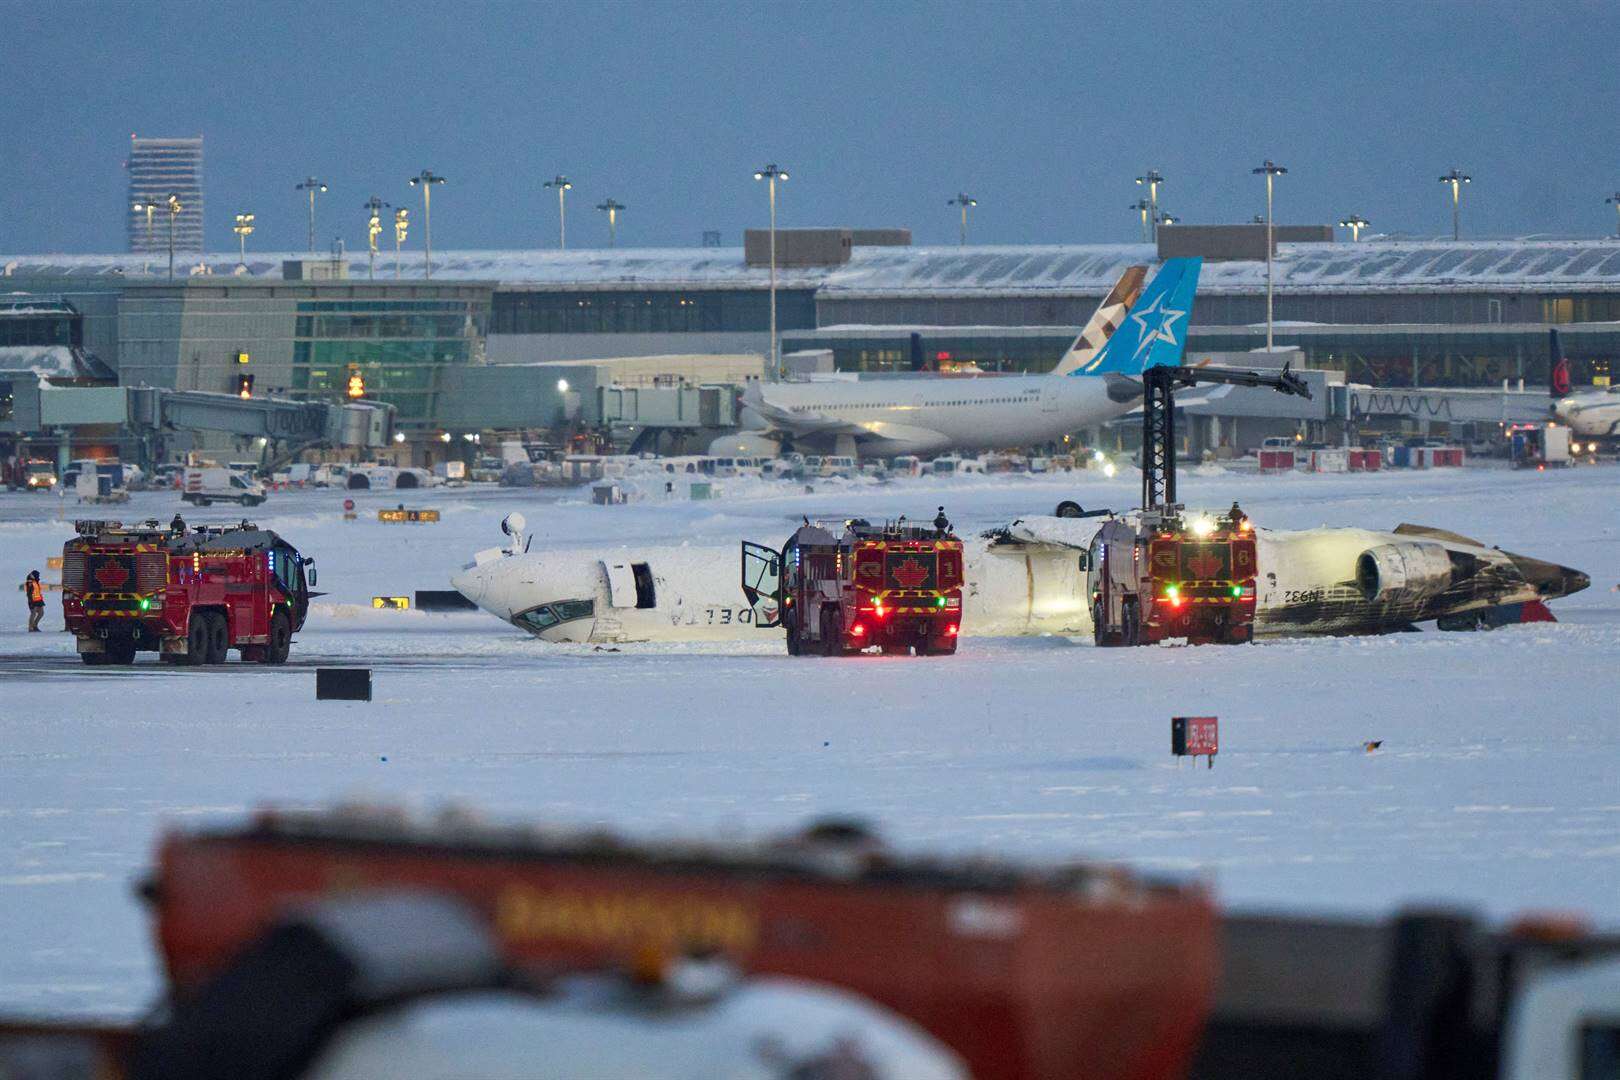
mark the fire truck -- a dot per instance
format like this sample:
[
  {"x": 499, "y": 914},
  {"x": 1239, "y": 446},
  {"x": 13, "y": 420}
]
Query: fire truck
[
  {"x": 1166, "y": 574},
  {"x": 895, "y": 586},
  {"x": 1160, "y": 572},
  {"x": 188, "y": 594}
]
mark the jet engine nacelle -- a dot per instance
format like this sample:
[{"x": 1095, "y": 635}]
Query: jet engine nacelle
[{"x": 1403, "y": 571}]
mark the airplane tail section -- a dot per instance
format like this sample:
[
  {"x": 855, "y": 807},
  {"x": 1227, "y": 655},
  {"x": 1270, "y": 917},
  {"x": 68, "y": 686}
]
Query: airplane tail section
[
  {"x": 1558, "y": 366},
  {"x": 1155, "y": 329},
  {"x": 1104, "y": 321}
]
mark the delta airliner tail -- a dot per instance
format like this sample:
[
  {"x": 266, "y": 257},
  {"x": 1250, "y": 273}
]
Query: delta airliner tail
[{"x": 1155, "y": 330}]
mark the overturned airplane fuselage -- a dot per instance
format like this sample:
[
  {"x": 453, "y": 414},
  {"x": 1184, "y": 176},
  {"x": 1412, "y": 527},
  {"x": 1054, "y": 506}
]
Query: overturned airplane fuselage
[{"x": 1027, "y": 579}]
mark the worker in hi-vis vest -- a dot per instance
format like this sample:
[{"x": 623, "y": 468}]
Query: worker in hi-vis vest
[{"x": 36, "y": 600}]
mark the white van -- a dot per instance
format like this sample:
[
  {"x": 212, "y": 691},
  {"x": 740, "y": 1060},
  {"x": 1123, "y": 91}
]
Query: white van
[
  {"x": 214, "y": 484},
  {"x": 837, "y": 465},
  {"x": 906, "y": 465}
]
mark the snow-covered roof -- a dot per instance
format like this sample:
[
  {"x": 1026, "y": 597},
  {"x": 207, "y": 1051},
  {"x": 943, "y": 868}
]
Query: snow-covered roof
[
  {"x": 46, "y": 361},
  {"x": 1376, "y": 265}
]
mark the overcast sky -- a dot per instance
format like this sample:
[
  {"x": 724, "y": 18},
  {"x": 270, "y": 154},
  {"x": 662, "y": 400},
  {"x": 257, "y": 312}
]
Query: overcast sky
[{"x": 882, "y": 111}]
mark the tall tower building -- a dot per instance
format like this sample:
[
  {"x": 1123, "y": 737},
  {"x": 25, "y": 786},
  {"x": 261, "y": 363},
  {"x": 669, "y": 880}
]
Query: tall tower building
[{"x": 159, "y": 168}]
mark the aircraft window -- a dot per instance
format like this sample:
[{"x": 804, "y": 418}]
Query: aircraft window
[{"x": 537, "y": 619}]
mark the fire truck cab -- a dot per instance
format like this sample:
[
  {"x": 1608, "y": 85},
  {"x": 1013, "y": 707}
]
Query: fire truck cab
[
  {"x": 896, "y": 586},
  {"x": 188, "y": 594},
  {"x": 1162, "y": 574}
]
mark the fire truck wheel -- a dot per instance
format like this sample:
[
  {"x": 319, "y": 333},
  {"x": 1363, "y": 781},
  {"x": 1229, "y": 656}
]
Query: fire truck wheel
[
  {"x": 219, "y": 638},
  {"x": 205, "y": 502},
  {"x": 793, "y": 646},
  {"x": 93, "y": 659},
  {"x": 1132, "y": 633},
  {"x": 280, "y": 644},
  {"x": 197, "y": 640},
  {"x": 1099, "y": 636},
  {"x": 120, "y": 651},
  {"x": 832, "y": 643}
]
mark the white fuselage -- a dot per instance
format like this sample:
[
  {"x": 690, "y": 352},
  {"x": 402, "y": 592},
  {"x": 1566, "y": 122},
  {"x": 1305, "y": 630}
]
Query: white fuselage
[
  {"x": 696, "y": 592},
  {"x": 1594, "y": 414},
  {"x": 933, "y": 414},
  {"x": 1032, "y": 585}
]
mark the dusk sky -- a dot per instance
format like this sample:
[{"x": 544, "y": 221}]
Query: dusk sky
[{"x": 881, "y": 111}]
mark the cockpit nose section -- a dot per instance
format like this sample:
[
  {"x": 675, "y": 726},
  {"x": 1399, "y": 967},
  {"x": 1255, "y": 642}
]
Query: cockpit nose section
[{"x": 472, "y": 582}]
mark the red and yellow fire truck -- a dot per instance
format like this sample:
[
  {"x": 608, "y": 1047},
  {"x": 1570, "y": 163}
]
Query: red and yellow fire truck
[
  {"x": 896, "y": 586},
  {"x": 188, "y": 594},
  {"x": 1167, "y": 574}
]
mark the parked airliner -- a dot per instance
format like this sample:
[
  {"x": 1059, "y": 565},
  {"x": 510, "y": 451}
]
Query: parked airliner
[{"x": 930, "y": 415}]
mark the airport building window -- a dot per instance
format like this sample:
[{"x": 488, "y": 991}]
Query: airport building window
[{"x": 649, "y": 312}]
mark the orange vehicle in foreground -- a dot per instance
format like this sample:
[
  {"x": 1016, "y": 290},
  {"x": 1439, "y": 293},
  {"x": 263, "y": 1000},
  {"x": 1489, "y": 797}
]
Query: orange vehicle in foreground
[{"x": 1024, "y": 972}]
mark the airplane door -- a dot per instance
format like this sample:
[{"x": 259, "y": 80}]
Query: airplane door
[
  {"x": 621, "y": 584},
  {"x": 1049, "y": 395},
  {"x": 762, "y": 583}
]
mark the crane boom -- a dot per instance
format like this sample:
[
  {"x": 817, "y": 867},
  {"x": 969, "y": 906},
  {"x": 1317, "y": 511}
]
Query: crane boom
[{"x": 1159, "y": 417}]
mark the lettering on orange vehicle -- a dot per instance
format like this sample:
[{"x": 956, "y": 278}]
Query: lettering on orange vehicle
[{"x": 532, "y": 915}]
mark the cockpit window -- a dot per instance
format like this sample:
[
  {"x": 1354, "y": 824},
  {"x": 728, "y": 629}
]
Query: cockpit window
[{"x": 548, "y": 615}]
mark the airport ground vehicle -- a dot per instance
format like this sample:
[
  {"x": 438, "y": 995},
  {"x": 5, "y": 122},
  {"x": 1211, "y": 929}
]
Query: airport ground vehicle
[
  {"x": 1539, "y": 446},
  {"x": 36, "y": 474},
  {"x": 211, "y": 484},
  {"x": 1162, "y": 574},
  {"x": 1023, "y": 970},
  {"x": 896, "y": 586},
  {"x": 188, "y": 595}
]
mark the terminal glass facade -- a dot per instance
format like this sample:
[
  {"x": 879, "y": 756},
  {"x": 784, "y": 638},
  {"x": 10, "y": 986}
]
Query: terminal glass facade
[
  {"x": 397, "y": 346},
  {"x": 608, "y": 311}
]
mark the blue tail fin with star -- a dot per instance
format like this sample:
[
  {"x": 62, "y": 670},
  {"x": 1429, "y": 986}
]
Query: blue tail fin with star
[{"x": 1155, "y": 330}]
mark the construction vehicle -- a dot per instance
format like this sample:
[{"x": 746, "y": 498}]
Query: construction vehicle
[
  {"x": 188, "y": 594},
  {"x": 1160, "y": 573},
  {"x": 896, "y": 586}
]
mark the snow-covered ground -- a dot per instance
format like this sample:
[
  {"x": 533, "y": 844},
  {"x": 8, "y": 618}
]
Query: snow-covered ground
[{"x": 1497, "y": 786}]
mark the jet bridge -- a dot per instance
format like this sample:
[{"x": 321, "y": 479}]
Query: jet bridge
[{"x": 360, "y": 424}]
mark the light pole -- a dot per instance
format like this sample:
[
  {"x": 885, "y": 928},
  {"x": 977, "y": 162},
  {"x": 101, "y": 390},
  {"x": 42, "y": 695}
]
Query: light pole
[
  {"x": 772, "y": 174},
  {"x": 243, "y": 229},
  {"x": 425, "y": 180},
  {"x": 311, "y": 185},
  {"x": 150, "y": 207},
  {"x": 1355, "y": 223},
  {"x": 1143, "y": 207},
  {"x": 373, "y": 208},
  {"x": 173, "y": 204},
  {"x": 1151, "y": 180},
  {"x": 402, "y": 224},
  {"x": 563, "y": 185},
  {"x": 1271, "y": 171},
  {"x": 1615, "y": 201},
  {"x": 1168, "y": 219},
  {"x": 1456, "y": 180},
  {"x": 963, "y": 200},
  {"x": 612, "y": 209}
]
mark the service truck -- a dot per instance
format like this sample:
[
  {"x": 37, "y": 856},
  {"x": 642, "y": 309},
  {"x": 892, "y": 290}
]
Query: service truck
[
  {"x": 897, "y": 587},
  {"x": 188, "y": 594},
  {"x": 211, "y": 484}
]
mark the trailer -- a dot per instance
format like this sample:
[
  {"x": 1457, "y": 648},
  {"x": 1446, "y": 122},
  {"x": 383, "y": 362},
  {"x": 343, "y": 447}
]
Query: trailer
[{"x": 188, "y": 594}]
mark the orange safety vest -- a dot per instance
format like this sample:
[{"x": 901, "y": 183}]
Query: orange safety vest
[{"x": 36, "y": 594}]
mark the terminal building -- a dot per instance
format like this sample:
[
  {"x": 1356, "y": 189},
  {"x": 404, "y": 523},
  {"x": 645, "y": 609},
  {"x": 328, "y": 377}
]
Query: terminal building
[{"x": 478, "y": 344}]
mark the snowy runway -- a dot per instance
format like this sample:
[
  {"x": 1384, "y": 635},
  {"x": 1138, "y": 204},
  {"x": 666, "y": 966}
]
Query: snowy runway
[{"x": 1497, "y": 786}]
